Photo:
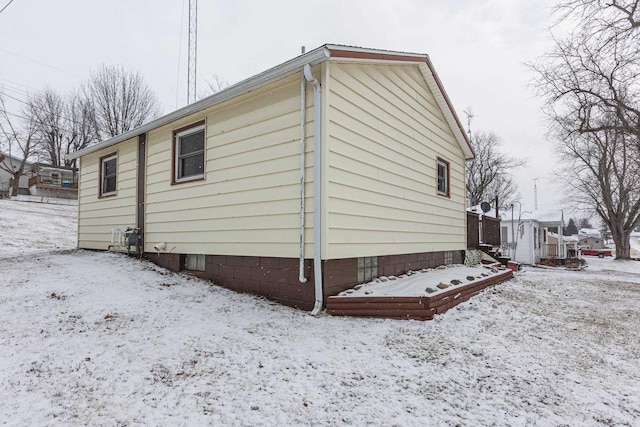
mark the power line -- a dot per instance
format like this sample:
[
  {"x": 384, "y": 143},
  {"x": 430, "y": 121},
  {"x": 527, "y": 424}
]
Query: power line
[
  {"x": 6, "y": 6},
  {"x": 19, "y": 84},
  {"x": 41, "y": 63},
  {"x": 39, "y": 108},
  {"x": 20, "y": 116}
]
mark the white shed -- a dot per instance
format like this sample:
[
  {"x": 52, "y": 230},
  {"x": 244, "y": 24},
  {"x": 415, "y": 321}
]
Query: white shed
[{"x": 531, "y": 231}]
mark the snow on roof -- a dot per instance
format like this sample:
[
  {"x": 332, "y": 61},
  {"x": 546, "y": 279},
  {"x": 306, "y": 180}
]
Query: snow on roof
[
  {"x": 552, "y": 217},
  {"x": 8, "y": 156},
  {"x": 573, "y": 238},
  {"x": 589, "y": 232},
  {"x": 478, "y": 210}
]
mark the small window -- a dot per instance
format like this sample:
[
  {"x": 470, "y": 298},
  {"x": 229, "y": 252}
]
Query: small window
[
  {"x": 448, "y": 257},
  {"x": 443, "y": 177},
  {"x": 189, "y": 153},
  {"x": 195, "y": 262},
  {"x": 108, "y": 171},
  {"x": 367, "y": 268}
]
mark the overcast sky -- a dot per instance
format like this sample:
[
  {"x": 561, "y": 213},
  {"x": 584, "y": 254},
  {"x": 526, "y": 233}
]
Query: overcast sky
[{"x": 478, "y": 47}]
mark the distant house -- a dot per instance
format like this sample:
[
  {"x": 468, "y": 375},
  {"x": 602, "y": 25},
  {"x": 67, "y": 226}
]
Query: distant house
[
  {"x": 12, "y": 163},
  {"x": 330, "y": 169},
  {"x": 53, "y": 181},
  {"x": 528, "y": 240},
  {"x": 591, "y": 242}
]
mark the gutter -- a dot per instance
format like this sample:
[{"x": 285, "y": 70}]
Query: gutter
[{"x": 317, "y": 189}]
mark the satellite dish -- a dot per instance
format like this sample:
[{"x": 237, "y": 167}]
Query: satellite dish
[{"x": 486, "y": 207}]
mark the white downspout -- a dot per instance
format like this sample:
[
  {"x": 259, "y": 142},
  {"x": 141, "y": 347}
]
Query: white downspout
[
  {"x": 317, "y": 188},
  {"x": 303, "y": 119}
]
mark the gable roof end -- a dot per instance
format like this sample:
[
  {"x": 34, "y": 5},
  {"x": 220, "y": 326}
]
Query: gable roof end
[
  {"x": 294, "y": 65},
  {"x": 431, "y": 77}
]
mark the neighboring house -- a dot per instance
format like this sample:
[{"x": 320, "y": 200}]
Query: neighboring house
[
  {"x": 591, "y": 242},
  {"x": 571, "y": 242},
  {"x": 53, "y": 181},
  {"x": 220, "y": 186},
  {"x": 531, "y": 231},
  {"x": 12, "y": 163},
  {"x": 589, "y": 232}
]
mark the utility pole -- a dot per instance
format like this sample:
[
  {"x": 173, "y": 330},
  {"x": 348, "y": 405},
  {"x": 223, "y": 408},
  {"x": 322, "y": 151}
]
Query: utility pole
[{"x": 193, "y": 51}]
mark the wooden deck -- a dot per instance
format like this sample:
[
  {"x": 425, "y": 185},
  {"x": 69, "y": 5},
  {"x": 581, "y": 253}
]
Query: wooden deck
[{"x": 422, "y": 307}]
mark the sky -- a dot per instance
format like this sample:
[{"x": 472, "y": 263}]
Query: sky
[{"x": 479, "y": 48}]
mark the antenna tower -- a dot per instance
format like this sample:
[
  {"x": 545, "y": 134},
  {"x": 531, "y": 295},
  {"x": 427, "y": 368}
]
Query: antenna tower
[
  {"x": 469, "y": 113},
  {"x": 535, "y": 194},
  {"x": 193, "y": 50}
]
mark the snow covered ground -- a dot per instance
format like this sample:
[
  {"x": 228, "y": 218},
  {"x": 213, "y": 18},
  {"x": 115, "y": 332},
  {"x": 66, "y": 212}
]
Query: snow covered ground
[{"x": 101, "y": 339}]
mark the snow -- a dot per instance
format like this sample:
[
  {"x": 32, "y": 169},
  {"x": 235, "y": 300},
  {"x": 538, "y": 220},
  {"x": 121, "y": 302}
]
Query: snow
[
  {"x": 547, "y": 217},
  {"x": 90, "y": 338},
  {"x": 416, "y": 283}
]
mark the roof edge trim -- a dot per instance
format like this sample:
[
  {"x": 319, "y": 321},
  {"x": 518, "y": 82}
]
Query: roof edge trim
[{"x": 280, "y": 71}]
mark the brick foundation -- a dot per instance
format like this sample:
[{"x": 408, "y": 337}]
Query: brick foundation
[{"x": 277, "y": 278}]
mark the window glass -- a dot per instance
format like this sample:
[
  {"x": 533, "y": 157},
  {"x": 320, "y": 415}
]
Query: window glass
[
  {"x": 109, "y": 182},
  {"x": 190, "y": 153},
  {"x": 443, "y": 177},
  {"x": 190, "y": 166}
]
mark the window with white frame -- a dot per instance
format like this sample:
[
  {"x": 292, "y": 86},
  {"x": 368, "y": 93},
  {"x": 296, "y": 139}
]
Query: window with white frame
[
  {"x": 189, "y": 145},
  {"x": 443, "y": 177},
  {"x": 108, "y": 175}
]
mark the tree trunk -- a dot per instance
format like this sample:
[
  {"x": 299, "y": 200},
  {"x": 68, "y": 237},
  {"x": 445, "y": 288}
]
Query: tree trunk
[
  {"x": 621, "y": 240},
  {"x": 15, "y": 184}
]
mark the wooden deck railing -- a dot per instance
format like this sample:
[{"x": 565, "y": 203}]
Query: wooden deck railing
[{"x": 49, "y": 182}]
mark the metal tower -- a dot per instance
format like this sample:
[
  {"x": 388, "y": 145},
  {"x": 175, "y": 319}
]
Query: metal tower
[{"x": 193, "y": 51}]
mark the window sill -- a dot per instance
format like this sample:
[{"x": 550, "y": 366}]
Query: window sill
[{"x": 187, "y": 180}]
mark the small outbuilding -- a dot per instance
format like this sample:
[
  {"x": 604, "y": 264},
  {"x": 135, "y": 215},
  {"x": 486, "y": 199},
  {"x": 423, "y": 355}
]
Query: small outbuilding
[
  {"x": 323, "y": 172},
  {"x": 527, "y": 239}
]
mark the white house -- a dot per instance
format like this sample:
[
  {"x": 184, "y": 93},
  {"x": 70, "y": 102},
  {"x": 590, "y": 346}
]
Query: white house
[
  {"x": 12, "y": 163},
  {"x": 325, "y": 171},
  {"x": 526, "y": 239}
]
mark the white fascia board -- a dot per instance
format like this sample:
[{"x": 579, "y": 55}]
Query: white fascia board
[
  {"x": 418, "y": 56},
  {"x": 252, "y": 83}
]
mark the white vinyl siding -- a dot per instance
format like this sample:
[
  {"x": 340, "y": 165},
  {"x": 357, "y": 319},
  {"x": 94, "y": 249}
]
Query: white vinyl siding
[
  {"x": 248, "y": 204},
  {"x": 385, "y": 135},
  {"x": 97, "y": 216}
]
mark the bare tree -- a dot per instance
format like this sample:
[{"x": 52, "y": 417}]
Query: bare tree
[
  {"x": 121, "y": 100},
  {"x": 66, "y": 124},
  {"x": 594, "y": 71},
  {"x": 213, "y": 85},
  {"x": 17, "y": 133},
  {"x": 591, "y": 83},
  {"x": 48, "y": 109},
  {"x": 601, "y": 171},
  {"x": 489, "y": 174},
  {"x": 82, "y": 124}
]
